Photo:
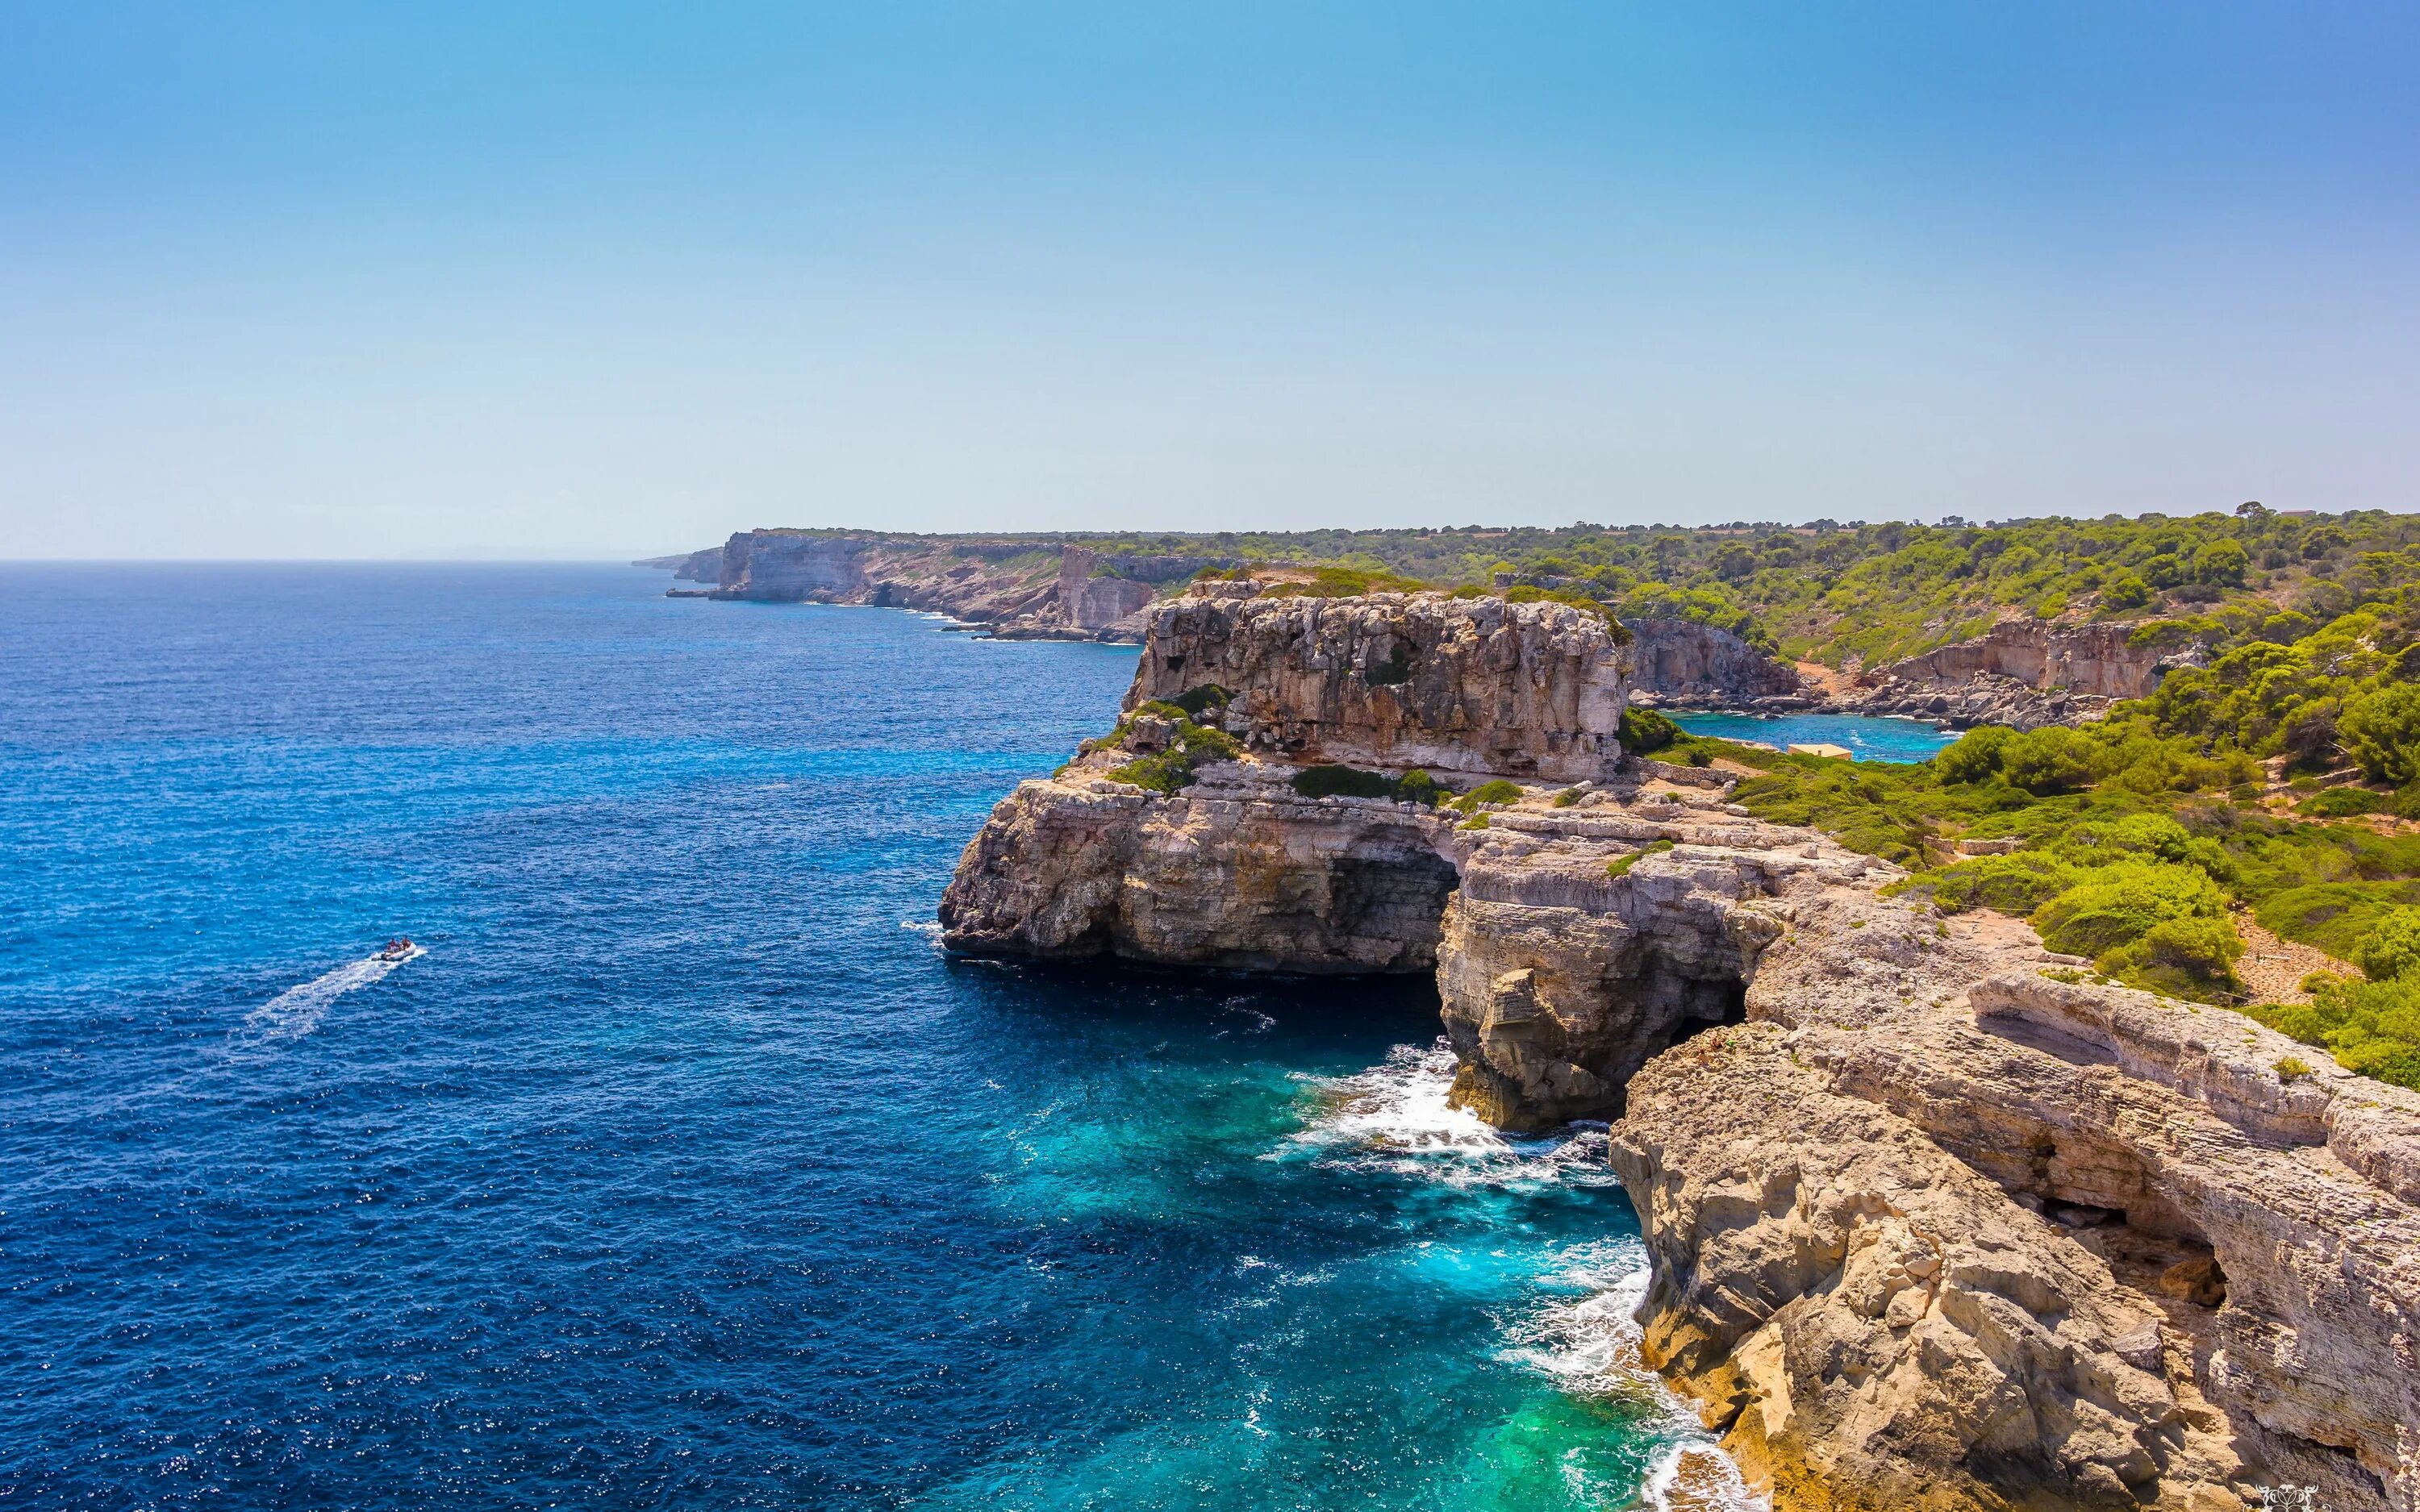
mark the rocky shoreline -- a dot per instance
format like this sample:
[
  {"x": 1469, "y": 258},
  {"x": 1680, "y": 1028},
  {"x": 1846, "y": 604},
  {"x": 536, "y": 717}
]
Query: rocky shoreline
[
  {"x": 2022, "y": 673},
  {"x": 1933, "y": 1222}
]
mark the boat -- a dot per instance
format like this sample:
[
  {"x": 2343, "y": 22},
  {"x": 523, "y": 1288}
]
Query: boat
[{"x": 396, "y": 950}]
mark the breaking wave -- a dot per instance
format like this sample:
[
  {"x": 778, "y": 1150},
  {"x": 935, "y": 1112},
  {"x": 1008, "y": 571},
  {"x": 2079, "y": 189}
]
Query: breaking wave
[
  {"x": 297, "y": 1011},
  {"x": 1587, "y": 1345},
  {"x": 1394, "y": 1117}
]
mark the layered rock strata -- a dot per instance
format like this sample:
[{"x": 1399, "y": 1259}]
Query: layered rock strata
[
  {"x": 1399, "y": 680},
  {"x": 1238, "y": 871},
  {"x": 2022, "y": 673},
  {"x": 1684, "y": 663},
  {"x": 1933, "y": 1221}
]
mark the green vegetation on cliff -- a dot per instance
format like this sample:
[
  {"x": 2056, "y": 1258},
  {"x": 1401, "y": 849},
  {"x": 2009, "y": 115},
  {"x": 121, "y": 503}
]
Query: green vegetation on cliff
[
  {"x": 1824, "y": 592},
  {"x": 2136, "y": 845}
]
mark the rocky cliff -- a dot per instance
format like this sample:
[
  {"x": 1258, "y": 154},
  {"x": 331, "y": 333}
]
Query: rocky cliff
[
  {"x": 2022, "y": 673},
  {"x": 1017, "y": 587},
  {"x": 1685, "y": 663},
  {"x": 1399, "y": 680},
  {"x": 1933, "y": 1222},
  {"x": 1238, "y": 871}
]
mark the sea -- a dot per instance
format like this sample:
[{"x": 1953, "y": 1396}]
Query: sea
[
  {"x": 1865, "y": 737},
  {"x": 673, "y": 1166}
]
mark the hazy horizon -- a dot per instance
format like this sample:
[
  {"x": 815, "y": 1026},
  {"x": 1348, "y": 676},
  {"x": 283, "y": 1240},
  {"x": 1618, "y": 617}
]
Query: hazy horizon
[{"x": 595, "y": 283}]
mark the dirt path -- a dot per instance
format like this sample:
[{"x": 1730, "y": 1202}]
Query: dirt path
[{"x": 2274, "y": 968}]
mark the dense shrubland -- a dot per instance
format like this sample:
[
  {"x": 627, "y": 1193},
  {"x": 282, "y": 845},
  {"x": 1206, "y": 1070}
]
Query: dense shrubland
[
  {"x": 2137, "y": 846},
  {"x": 1877, "y": 592}
]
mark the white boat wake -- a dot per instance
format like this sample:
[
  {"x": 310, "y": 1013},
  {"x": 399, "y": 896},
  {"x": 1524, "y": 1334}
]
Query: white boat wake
[{"x": 297, "y": 1011}]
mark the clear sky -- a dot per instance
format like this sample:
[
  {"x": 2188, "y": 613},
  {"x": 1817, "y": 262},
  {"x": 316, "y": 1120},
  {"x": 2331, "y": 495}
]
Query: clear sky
[{"x": 418, "y": 279}]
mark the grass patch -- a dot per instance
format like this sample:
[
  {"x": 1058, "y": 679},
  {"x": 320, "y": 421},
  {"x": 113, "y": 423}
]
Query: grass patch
[
  {"x": 1620, "y": 865},
  {"x": 1415, "y": 786}
]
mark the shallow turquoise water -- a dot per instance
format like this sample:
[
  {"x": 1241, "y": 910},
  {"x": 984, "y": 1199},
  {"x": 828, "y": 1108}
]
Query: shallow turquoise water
[
  {"x": 1868, "y": 738},
  {"x": 681, "y": 1170}
]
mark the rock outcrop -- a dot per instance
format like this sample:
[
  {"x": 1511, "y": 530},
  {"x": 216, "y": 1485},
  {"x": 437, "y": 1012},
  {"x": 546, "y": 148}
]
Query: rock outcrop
[
  {"x": 2022, "y": 673},
  {"x": 1934, "y": 1222},
  {"x": 1238, "y": 871},
  {"x": 1017, "y": 587},
  {"x": 1689, "y": 664},
  {"x": 1399, "y": 680}
]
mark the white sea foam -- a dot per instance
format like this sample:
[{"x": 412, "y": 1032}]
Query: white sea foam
[
  {"x": 297, "y": 1011},
  {"x": 1394, "y": 1117},
  {"x": 929, "y": 928},
  {"x": 1587, "y": 1345}
]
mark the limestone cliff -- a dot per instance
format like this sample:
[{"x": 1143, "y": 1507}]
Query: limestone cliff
[
  {"x": 2022, "y": 673},
  {"x": 1685, "y": 663},
  {"x": 1237, "y": 872},
  {"x": 1399, "y": 680},
  {"x": 1017, "y": 587},
  {"x": 1933, "y": 1223}
]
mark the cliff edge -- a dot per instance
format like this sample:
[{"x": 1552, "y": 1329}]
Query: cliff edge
[{"x": 1933, "y": 1222}]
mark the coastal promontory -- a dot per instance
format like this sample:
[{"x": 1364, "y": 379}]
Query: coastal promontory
[{"x": 1938, "y": 1216}]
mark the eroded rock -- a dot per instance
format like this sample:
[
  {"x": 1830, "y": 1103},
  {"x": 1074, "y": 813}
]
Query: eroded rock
[
  {"x": 1401, "y": 680},
  {"x": 1931, "y": 1225}
]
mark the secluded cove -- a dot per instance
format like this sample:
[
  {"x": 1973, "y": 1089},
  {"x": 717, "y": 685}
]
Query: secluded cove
[{"x": 1869, "y": 737}]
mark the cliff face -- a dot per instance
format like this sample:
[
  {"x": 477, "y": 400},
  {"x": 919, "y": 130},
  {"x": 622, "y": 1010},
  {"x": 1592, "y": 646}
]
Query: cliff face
[
  {"x": 1928, "y": 1226},
  {"x": 2024, "y": 673},
  {"x": 1238, "y": 871},
  {"x": 1018, "y": 587},
  {"x": 1399, "y": 680},
  {"x": 2110, "y": 1256},
  {"x": 1681, "y": 662}
]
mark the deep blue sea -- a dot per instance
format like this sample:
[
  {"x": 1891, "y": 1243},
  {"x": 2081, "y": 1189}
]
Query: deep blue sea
[{"x": 679, "y": 1169}]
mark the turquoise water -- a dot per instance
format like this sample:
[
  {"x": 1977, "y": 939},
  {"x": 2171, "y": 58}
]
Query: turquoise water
[
  {"x": 678, "y": 1170},
  {"x": 1868, "y": 738}
]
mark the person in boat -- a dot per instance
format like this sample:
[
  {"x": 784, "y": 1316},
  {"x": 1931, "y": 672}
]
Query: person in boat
[{"x": 397, "y": 948}]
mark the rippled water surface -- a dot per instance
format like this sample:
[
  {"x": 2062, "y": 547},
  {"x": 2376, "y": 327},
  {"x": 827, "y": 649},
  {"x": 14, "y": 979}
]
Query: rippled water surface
[
  {"x": 675, "y": 1168},
  {"x": 1868, "y": 737}
]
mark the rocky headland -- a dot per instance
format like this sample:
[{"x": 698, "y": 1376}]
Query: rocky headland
[
  {"x": 2022, "y": 673},
  {"x": 1015, "y": 587},
  {"x": 1934, "y": 1221}
]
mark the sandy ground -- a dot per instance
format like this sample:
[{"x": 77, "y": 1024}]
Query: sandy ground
[
  {"x": 1829, "y": 680},
  {"x": 2274, "y": 968}
]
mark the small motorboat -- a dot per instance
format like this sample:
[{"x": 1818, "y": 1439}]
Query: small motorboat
[{"x": 396, "y": 950}]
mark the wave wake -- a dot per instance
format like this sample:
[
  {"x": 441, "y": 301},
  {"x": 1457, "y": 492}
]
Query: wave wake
[{"x": 297, "y": 1011}]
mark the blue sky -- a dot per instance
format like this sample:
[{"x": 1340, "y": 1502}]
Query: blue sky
[{"x": 587, "y": 280}]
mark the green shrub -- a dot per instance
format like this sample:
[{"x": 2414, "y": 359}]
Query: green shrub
[
  {"x": 1646, "y": 730},
  {"x": 1172, "y": 770},
  {"x": 2187, "y": 957},
  {"x": 2116, "y": 905},
  {"x": 1194, "y": 700},
  {"x": 1495, "y": 790},
  {"x": 2293, "y": 1068},
  {"x": 2335, "y": 917},
  {"x": 1567, "y": 797},
  {"x": 2372, "y": 1027},
  {"x": 1416, "y": 785},
  {"x": 1620, "y": 865},
  {"x": 2343, "y": 803},
  {"x": 1973, "y": 756},
  {"x": 1474, "y": 822},
  {"x": 2017, "y": 883},
  {"x": 2382, "y": 732},
  {"x": 2049, "y": 759},
  {"x": 1343, "y": 582},
  {"x": 2393, "y": 948}
]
